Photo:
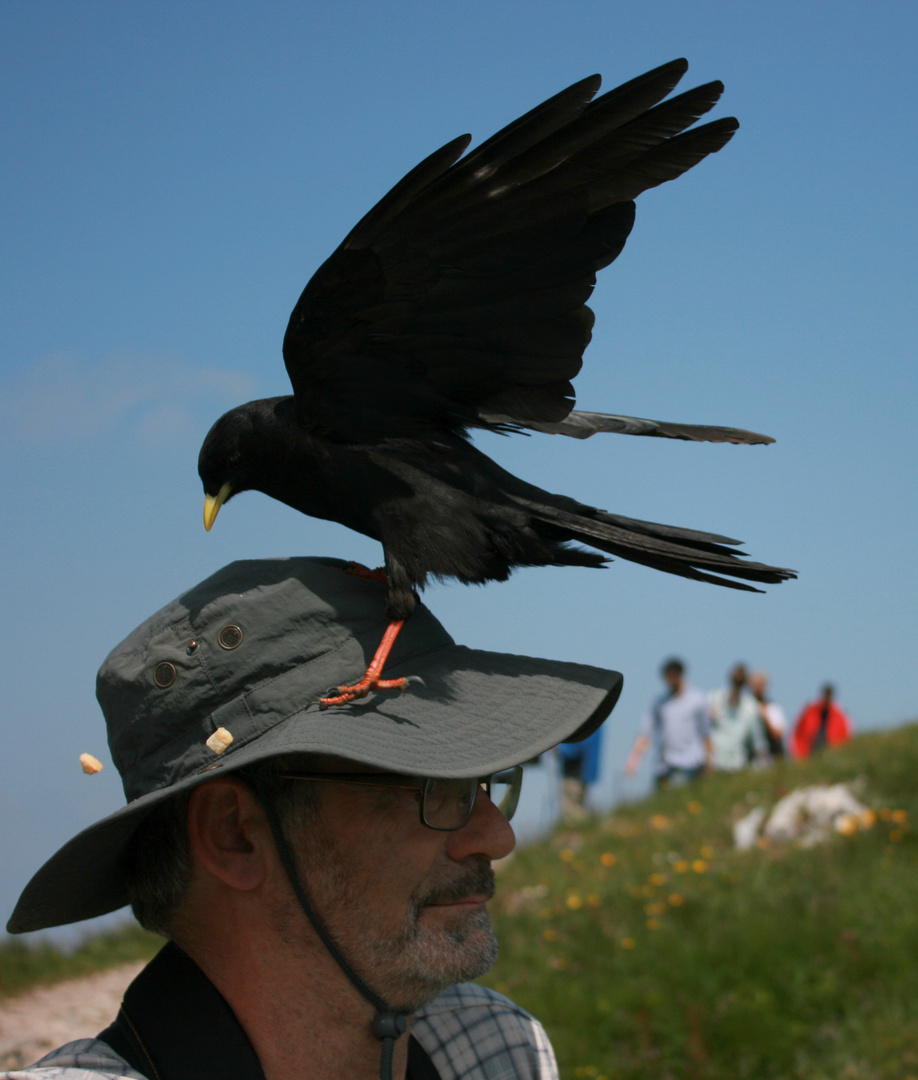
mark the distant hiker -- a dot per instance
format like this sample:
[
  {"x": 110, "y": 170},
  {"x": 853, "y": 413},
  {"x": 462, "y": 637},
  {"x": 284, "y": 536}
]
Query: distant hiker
[
  {"x": 772, "y": 720},
  {"x": 579, "y": 769},
  {"x": 678, "y": 726},
  {"x": 821, "y": 723},
  {"x": 736, "y": 736}
]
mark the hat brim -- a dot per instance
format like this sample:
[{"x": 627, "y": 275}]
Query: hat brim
[{"x": 473, "y": 713}]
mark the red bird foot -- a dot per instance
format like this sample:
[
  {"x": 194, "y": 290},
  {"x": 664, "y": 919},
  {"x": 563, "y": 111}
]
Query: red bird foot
[{"x": 372, "y": 680}]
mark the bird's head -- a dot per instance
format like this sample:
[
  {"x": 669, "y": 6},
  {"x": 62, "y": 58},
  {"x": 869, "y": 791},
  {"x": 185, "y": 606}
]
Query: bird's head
[{"x": 225, "y": 460}]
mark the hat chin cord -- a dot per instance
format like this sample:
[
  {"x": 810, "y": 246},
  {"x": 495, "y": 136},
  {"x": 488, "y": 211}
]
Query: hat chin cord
[{"x": 388, "y": 1024}]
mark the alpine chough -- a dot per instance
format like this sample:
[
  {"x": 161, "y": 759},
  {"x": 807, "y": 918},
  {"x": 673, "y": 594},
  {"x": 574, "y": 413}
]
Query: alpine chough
[{"x": 459, "y": 302}]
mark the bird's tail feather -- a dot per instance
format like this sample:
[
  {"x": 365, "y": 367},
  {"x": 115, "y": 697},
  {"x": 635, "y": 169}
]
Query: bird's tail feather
[{"x": 687, "y": 553}]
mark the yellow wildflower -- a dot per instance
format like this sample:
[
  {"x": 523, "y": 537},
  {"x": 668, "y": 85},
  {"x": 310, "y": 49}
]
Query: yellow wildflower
[
  {"x": 707, "y": 852},
  {"x": 846, "y": 824},
  {"x": 627, "y": 943},
  {"x": 676, "y": 899},
  {"x": 694, "y": 807},
  {"x": 574, "y": 902},
  {"x": 653, "y": 924},
  {"x": 566, "y": 855},
  {"x": 899, "y": 816},
  {"x": 608, "y": 859},
  {"x": 699, "y": 866},
  {"x": 681, "y": 866},
  {"x": 658, "y": 821}
]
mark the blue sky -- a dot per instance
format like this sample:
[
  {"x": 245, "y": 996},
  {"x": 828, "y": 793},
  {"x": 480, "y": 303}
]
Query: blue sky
[{"x": 175, "y": 172}]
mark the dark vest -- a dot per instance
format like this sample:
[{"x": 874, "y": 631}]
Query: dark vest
[{"x": 175, "y": 1025}]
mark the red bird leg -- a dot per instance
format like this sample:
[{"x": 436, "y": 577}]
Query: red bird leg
[
  {"x": 361, "y": 571},
  {"x": 371, "y": 681}
]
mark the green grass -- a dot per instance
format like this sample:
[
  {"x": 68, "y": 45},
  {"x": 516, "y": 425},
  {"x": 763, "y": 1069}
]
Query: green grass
[
  {"x": 650, "y": 948},
  {"x": 23, "y": 966}
]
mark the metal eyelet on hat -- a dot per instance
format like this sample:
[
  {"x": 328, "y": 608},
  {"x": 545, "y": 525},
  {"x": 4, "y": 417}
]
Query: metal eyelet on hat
[
  {"x": 164, "y": 674},
  {"x": 230, "y": 637}
]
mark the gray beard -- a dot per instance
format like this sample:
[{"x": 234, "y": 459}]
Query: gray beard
[
  {"x": 410, "y": 967},
  {"x": 422, "y": 961},
  {"x": 426, "y": 966}
]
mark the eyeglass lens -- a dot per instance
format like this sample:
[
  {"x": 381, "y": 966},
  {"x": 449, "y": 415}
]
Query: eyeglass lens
[
  {"x": 504, "y": 790},
  {"x": 448, "y": 804}
]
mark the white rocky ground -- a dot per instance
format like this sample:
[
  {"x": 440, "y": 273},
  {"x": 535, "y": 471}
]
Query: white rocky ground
[{"x": 49, "y": 1016}]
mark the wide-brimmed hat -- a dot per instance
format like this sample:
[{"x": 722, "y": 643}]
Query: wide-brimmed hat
[{"x": 231, "y": 673}]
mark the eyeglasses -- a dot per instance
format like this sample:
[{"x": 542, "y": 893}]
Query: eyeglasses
[{"x": 445, "y": 805}]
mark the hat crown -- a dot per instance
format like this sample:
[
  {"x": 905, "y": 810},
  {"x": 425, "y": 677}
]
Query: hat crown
[{"x": 217, "y": 656}]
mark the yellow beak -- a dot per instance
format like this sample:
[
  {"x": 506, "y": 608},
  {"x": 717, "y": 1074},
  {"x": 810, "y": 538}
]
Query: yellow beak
[{"x": 212, "y": 504}]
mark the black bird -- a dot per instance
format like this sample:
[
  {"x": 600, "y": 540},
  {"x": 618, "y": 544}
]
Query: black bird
[{"x": 459, "y": 302}]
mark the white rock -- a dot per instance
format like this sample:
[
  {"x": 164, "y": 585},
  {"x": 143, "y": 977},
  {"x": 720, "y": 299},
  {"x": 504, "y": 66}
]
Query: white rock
[{"x": 746, "y": 830}]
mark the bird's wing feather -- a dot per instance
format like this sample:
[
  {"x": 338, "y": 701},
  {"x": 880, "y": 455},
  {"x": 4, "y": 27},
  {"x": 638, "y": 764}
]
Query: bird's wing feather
[
  {"x": 581, "y": 425},
  {"x": 463, "y": 291}
]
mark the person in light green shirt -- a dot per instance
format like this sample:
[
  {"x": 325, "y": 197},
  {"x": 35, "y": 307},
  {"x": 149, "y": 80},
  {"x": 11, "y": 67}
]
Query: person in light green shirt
[{"x": 736, "y": 735}]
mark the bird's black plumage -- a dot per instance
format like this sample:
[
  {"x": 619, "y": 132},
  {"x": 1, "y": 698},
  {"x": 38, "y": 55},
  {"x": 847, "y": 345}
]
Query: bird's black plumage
[{"x": 459, "y": 302}]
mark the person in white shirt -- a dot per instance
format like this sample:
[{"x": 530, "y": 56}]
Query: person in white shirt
[{"x": 677, "y": 724}]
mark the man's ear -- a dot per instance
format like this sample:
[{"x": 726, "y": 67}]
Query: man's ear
[{"x": 228, "y": 833}]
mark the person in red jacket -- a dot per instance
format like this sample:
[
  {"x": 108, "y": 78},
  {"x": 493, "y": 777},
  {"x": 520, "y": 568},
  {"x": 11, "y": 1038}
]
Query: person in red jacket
[{"x": 821, "y": 723}]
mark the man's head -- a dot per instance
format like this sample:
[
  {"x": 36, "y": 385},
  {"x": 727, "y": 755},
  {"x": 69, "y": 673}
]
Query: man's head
[
  {"x": 758, "y": 684},
  {"x": 403, "y": 902},
  {"x": 737, "y": 676},
  {"x": 213, "y": 713},
  {"x": 673, "y": 674}
]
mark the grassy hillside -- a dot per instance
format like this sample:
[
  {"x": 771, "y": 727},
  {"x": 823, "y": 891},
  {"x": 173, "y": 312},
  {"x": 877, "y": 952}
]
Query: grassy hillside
[
  {"x": 650, "y": 948},
  {"x": 23, "y": 966}
]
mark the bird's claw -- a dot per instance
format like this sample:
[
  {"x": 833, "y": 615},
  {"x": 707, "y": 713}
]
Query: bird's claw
[{"x": 344, "y": 695}]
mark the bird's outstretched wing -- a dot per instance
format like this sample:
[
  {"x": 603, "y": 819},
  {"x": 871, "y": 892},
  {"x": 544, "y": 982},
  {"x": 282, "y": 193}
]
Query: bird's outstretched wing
[{"x": 462, "y": 293}]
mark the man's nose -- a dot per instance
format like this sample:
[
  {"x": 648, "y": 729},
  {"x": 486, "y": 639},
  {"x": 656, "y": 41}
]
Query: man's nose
[{"x": 487, "y": 833}]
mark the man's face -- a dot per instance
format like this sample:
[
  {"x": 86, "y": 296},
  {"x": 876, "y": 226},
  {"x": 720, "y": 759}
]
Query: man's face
[
  {"x": 406, "y": 904},
  {"x": 738, "y": 676},
  {"x": 673, "y": 679}
]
